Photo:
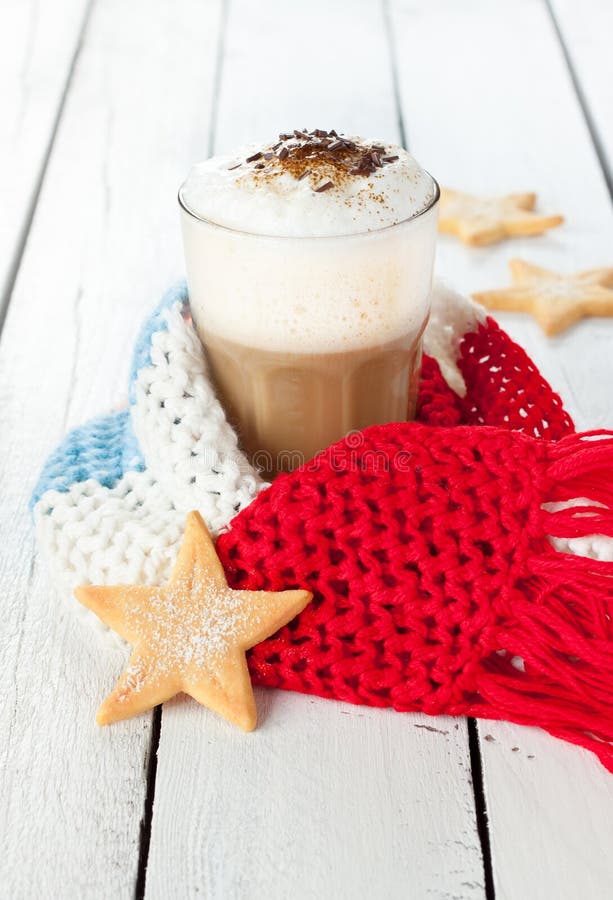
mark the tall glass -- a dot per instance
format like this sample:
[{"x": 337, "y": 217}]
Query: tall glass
[{"x": 308, "y": 338}]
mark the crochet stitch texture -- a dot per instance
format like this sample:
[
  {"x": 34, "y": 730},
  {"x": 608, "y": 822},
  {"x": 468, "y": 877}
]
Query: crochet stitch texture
[
  {"x": 432, "y": 548},
  {"x": 111, "y": 501},
  {"x": 436, "y": 587}
]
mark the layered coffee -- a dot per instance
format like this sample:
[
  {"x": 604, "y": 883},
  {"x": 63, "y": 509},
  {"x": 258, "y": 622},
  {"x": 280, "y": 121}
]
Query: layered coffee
[
  {"x": 309, "y": 264},
  {"x": 288, "y": 409}
]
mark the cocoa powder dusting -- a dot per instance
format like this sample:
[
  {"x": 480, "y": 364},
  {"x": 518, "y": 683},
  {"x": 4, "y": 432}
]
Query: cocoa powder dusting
[{"x": 327, "y": 158}]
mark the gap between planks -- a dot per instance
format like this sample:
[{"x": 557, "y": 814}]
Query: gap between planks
[
  {"x": 156, "y": 724},
  {"x": 476, "y": 768},
  {"x": 539, "y": 829},
  {"x": 391, "y": 44},
  {"x": 483, "y": 827},
  {"x": 147, "y": 819},
  {"x": 582, "y": 100},
  {"x": 24, "y": 232},
  {"x": 101, "y": 804}
]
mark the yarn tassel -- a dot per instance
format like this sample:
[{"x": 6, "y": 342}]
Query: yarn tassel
[
  {"x": 556, "y": 667},
  {"x": 437, "y": 581}
]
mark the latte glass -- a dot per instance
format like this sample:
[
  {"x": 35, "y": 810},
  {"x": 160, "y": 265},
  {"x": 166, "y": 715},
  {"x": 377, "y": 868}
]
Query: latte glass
[{"x": 309, "y": 338}]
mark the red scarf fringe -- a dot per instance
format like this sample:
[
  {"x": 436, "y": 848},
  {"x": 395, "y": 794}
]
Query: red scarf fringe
[{"x": 436, "y": 583}]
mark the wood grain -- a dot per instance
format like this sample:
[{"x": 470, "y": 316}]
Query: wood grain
[
  {"x": 306, "y": 68},
  {"x": 507, "y": 119},
  {"x": 37, "y": 48},
  {"x": 324, "y": 799},
  {"x": 103, "y": 244}
]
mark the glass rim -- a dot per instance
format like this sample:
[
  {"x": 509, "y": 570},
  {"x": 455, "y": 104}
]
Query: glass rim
[{"x": 313, "y": 237}]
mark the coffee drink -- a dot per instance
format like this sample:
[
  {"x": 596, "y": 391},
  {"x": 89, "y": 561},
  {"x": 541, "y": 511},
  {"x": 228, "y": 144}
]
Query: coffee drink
[
  {"x": 309, "y": 264},
  {"x": 295, "y": 407}
]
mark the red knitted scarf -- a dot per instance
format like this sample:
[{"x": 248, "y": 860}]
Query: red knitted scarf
[{"x": 436, "y": 587}]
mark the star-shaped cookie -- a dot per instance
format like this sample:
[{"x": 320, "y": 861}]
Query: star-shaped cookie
[
  {"x": 190, "y": 635},
  {"x": 479, "y": 221},
  {"x": 555, "y": 301}
]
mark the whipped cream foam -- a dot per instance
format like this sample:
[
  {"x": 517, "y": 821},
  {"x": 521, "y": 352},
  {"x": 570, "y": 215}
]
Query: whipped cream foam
[
  {"x": 309, "y": 184},
  {"x": 306, "y": 262}
]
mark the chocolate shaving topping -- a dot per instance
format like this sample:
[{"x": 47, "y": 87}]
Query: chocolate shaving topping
[
  {"x": 328, "y": 154},
  {"x": 238, "y": 165}
]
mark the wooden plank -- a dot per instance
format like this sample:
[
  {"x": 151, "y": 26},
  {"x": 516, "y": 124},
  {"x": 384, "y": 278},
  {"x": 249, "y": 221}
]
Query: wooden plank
[
  {"x": 307, "y": 67},
  {"x": 507, "y": 118},
  {"x": 37, "y": 47},
  {"x": 586, "y": 30},
  {"x": 323, "y": 799},
  {"x": 103, "y": 244}
]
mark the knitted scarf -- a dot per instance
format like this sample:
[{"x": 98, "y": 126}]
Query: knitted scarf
[{"x": 455, "y": 567}]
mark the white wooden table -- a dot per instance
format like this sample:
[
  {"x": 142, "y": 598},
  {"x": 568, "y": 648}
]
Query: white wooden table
[{"x": 103, "y": 106}]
